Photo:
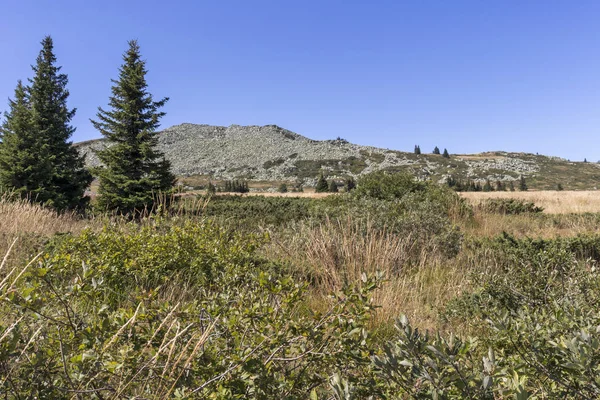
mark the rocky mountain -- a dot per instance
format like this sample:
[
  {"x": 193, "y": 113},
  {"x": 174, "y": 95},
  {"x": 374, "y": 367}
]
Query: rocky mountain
[{"x": 271, "y": 153}]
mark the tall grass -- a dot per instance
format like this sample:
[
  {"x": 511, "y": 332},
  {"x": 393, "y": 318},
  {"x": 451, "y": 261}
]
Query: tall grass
[{"x": 418, "y": 279}]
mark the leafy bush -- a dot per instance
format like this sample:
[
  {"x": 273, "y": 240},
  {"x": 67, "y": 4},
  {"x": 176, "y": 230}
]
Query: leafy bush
[{"x": 173, "y": 312}]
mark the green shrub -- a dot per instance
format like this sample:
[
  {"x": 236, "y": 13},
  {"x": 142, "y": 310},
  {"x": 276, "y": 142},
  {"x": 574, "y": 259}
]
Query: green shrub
[
  {"x": 509, "y": 206},
  {"x": 174, "y": 312}
]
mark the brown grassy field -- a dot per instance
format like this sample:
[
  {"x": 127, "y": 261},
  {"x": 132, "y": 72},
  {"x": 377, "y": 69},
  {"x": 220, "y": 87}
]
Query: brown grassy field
[{"x": 553, "y": 202}]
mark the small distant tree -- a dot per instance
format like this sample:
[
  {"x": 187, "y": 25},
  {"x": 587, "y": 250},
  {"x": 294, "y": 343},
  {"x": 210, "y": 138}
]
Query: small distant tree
[
  {"x": 512, "y": 186},
  {"x": 417, "y": 149},
  {"x": 322, "y": 186},
  {"x": 333, "y": 187},
  {"x": 500, "y": 186},
  {"x": 350, "y": 184},
  {"x": 559, "y": 187},
  {"x": 487, "y": 187},
  {"x": 211, "y": 189},
  {"x": 436, "y": 150},
  {"x": 446, "y": 154},
  {"x": 522, "y": 184},
  {"x": 299, "y": 186},
  {"x": 585, "y": 160},
  {"x": 282, "y": 188}
]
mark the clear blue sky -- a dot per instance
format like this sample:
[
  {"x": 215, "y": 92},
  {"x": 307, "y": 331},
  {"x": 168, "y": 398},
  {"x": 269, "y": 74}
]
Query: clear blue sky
[{"x": 466, "y": 75}]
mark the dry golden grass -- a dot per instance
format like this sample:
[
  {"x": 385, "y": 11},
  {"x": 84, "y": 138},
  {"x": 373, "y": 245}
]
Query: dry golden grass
[
  {"x": 554, "y": 202},
  {"x": 31, "y": 225},
  {"x": 333, "y": 253},
  {"x": 21, "y": 217}
]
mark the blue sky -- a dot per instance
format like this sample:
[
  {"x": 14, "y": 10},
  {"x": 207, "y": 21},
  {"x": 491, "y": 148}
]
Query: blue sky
[{"x": 467, "y": 75}]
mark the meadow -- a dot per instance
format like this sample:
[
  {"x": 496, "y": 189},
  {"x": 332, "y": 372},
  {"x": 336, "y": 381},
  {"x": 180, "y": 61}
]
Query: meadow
[{"x": 400, "y": 289}]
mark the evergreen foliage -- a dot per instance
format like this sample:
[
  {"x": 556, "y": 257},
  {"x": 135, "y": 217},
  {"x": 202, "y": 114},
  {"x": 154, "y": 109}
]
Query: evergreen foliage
[
  {"x": 236, "y": 186},
  {"x": 436, "y": 150},
  {"x": 522, "y": 184},
  {"x": 134, "y": 170},
  {"x": 417, "y": 149},
  {"x": 512, "y": 186},
  {"x": 446, "y": 154},
  {"x": 559, "y": 187},
  {"x": 211, "y": 189},
  {"x": 282, "y": 188},
  {"x": 37, "y": 159},
  {"x": 500, "y": 186},
  {"x": 350, "y": 184},
  {"x": 322, "y": 186},
  {"x": 333, "y": 186},
  {"x": 487, "y": 187}
]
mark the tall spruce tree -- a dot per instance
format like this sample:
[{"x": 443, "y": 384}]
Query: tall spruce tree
[
  {"x": 446, "y": 154},
  {"x": 47, "y": 169},
  {"x": 134, "y": 170},
  {"x": 436, "y": 150},
  {"x": 22, "y": 171}
]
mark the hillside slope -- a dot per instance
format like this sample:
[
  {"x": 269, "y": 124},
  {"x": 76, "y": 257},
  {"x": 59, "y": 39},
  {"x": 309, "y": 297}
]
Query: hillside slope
[{"x": 272, "y": 153}]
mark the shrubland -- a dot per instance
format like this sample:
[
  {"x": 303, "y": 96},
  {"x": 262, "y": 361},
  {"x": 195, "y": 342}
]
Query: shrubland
[{"x": 398, "y": 289}]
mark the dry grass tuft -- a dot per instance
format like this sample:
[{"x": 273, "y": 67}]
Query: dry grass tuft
[
  {"x": 336, "y": 252},
  {"x": 19, "y": 217}
]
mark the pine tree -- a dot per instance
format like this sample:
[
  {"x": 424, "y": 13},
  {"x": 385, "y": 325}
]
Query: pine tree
[
  {"x": 333, "y": 187},
  {"x": 417, "y": 149},
  {"x": 487, "y": 187},
  {"x": 522, "y": 184},
  {"x": 350, "y": 184},
  {"x": 134, "y": 170},
  {"x": 211, "y": 189},
  {"x": 446, "y": 154},
  {"x": 22, "y": 170},
  {"x": 321, "y": 186},
  {"x": 436, "y": 150},
  {"x": 59, "y": 178}
]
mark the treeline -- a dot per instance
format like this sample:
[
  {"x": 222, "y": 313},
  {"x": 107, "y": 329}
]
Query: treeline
[
  {"x": 323, "y": 186},
  {"x": 436, "y": 151},
  {"x": 39, "y": 163}
]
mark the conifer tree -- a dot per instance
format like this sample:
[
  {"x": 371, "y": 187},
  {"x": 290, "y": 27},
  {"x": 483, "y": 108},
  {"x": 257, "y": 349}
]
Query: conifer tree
[
  {"x": 446, "y": 154},
  {"x": 522, "y": 184},
  {"x": 417, "y": 149},
  {"x": 436, "y": 150},
  {"x": 56, "y": 174},
  {"x": 333, "y": 187},
  {"x": 321, "y": 186},
  {"x": 282, "y": 188},
  {"x": 21, "y": 168},
  {"x": 487, "y": 187},
  {"x": 134, "y": 170},
  {"x": 350, "y": 184},
  {"x": 211, "y": 189},
  {"x": 512, "y": 186}
]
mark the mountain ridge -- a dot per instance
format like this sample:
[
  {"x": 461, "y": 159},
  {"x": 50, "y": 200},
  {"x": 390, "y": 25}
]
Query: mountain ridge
[{"x": 273, "y": 153}]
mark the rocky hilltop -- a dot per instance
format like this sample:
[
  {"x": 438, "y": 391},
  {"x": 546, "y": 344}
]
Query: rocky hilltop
[{"x": 272, "y": 153}]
